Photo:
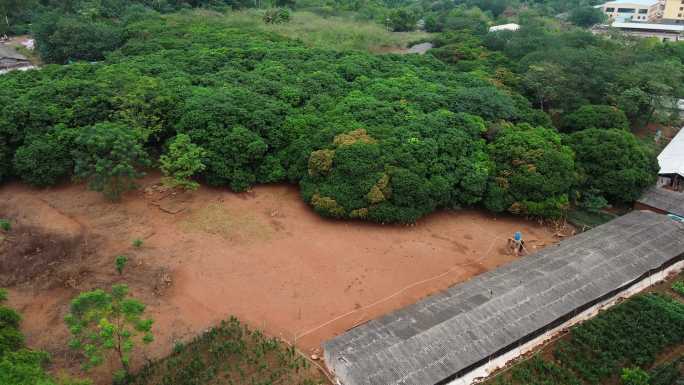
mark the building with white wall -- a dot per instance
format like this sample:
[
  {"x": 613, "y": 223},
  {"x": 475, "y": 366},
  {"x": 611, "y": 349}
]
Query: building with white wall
[
  {"x": 633, "y": 10},
  {"x": 673, "y": 11}
]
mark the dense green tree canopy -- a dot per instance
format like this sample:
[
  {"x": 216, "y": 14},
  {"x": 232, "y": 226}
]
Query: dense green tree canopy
[
  {"x": 593, "y": 116},
  {"x": 382, "y": 137},
  {"x": 613, "y": 163},
  {"x": 534, "y": 172}
]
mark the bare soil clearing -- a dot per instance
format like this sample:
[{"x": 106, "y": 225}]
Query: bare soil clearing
[{"x": 262, "y": 256}]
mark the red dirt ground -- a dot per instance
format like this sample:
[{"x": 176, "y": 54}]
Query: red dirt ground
[{"x": 262, "y": 256}]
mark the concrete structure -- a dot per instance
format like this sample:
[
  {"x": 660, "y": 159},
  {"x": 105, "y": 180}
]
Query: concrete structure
[
  {"x": 674, "y": 11},
  {"x": 504, "y": 27},
  {"x": 11, "y": 59},
  {"x": 472, "y": 328},
  {"x": 664, "y": 32},
  {"x": 632, "y": 10}
]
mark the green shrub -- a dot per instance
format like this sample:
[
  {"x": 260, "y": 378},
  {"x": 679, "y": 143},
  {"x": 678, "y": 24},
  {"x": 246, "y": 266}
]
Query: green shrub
[
  {"x": 678, "y": 287},
  {"x": 276, "y": 16},
  {"x": 46, "y": 160},
  {"x": 120, "y": 262},
  {"x": 109, "y": 157},
  {"x": 613, "y": 163},
  {"x": 534, "y": 172},
  {"x": 632, "y": 333},
  {"x": 634, "y": 376},
  {"x": 5, "y": 225},
  {"x": 668, "y": 373},
  {"x": 137, "y": 243},
  {"x": 592, "y": 116},
  {"x": 182, "y": 161}
]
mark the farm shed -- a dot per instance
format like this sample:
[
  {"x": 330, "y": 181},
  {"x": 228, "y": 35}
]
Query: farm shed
[
  {"x": 671, "y": 162},
  {"x": 662, "y": 200},
  {"x": 474, "y": 327},
  {"x": 10, "y": 58}
]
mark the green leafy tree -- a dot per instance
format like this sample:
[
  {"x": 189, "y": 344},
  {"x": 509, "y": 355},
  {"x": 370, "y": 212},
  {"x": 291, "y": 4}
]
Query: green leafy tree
[
  {"x": 534, "y": 172},
  {"x": 402, "y": 20},
  {"x": 109, "y": 156},
  {"x": 634, "y": 376},
  {"x": 613, "y": 163},
  {"x": 104, "y": 324},
  {"x": 61, "y": 38},
  {"x": 586, "y": 16},
  {"x": 595, "y": 116},
  {"x": 46, "y": 160},
  {"x": 545, "y": 82},
  {"x": 182, "y": 161}
]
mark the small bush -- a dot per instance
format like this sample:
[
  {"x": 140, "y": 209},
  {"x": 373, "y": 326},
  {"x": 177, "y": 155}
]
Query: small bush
[
  {"x": 5, "y": 225},
  {"x": 277, "y": 16},
  {"x": 634, "y": 376},
  {"x": 137, "y": 243},
  {"x": 120, "y": 263},
  {"x": 678, "y": 287}
]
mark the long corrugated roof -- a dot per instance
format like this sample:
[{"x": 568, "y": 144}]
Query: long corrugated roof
[
  {"x": 10, "y": 53},
  {"x": 663, "y": 199},
  {"x": 671, "y": 159},
  {"x": 453, "y": 331}
]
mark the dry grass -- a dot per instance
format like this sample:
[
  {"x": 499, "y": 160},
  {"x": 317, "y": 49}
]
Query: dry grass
[
  {"x": 336, "y": 33},
  {"x": 229, "y": 224}
]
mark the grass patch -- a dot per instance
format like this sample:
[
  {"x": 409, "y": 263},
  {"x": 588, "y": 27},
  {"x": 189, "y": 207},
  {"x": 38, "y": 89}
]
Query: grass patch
[
  {"x": 231, "y": 354},
  {"x": 230, "y": 224},
  {"x": 678, "y": 287},
  {"x": 335, "y": 33},
  {"x": 585, "y": 220}
]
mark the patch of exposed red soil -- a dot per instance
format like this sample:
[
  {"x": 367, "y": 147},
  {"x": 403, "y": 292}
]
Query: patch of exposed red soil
[{"x": 262, "y": 256}]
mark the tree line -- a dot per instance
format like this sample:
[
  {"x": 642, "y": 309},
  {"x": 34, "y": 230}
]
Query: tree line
[{"x": 385, "y": 138}]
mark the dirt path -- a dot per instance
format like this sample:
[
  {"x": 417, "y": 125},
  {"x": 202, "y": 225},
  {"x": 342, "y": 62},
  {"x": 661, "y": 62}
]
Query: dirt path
[{"x": 263, "y": 256}]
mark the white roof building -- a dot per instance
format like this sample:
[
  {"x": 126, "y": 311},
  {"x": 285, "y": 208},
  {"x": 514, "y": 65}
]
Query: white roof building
[
  {"x": 504, "y": 27},
  {"x": 671, "y": 159}
]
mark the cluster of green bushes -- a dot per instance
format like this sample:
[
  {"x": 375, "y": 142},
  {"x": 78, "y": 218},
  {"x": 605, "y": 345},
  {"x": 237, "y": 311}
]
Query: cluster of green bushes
[
  {"x": 230, "y": 353},
  {"x": 18, "y": 364},
  {"x": 630, "y": 334},
  {"x": 385, "y": 138},
  {"x": 616, "y": 343}
]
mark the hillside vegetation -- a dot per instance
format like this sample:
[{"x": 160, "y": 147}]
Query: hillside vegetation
[{"x": 388, "y": 138}]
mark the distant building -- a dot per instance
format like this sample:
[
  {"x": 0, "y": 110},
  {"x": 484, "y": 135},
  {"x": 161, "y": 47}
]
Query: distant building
[
  {"x": 663, "y": 32},
  {"x": 632, "y": 10},
  {"x": 504, "y": 27},
  {"x": 674, "y": 11},
  {"x": 11, "y": 59}
]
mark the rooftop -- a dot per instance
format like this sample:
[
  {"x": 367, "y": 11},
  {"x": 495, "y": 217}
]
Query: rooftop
[
  {"x": 671, "y": 159},
  {"x": 643, "y": 3},
  {"x": 11, "y": 53},
  {"x": 650, "y": 26},
  {"x": 448, "y": 334},
  {"x": 663, "y": 199},
  {"x": 504, "y": 27}
]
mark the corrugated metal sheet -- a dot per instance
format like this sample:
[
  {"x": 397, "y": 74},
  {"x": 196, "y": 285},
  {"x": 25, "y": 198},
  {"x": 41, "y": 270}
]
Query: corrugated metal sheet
[
  {"x": 449, "y": 332},
  {"x": 665, "y": 200}
]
